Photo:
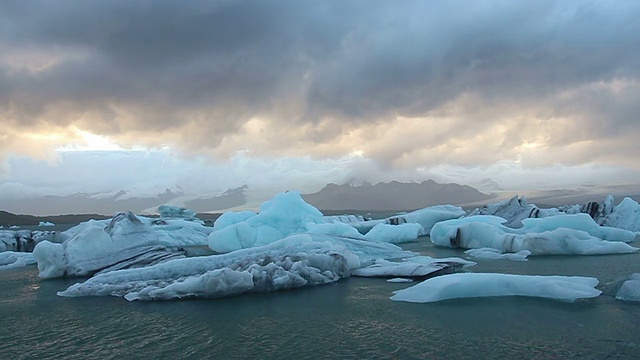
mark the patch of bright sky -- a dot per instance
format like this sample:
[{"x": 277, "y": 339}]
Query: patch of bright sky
[{"x": 93, "y": 142}]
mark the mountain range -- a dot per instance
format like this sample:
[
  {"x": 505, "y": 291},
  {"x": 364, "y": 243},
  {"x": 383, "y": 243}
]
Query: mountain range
[
  {"x": 393, "y": 195},
  {"x": 382, "y": 196}
]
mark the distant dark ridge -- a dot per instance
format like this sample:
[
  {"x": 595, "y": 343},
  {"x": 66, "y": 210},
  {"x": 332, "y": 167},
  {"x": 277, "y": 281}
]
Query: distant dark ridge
[
  {"x": 393, "y": 196},
  {"x": 8, "y": 219}
]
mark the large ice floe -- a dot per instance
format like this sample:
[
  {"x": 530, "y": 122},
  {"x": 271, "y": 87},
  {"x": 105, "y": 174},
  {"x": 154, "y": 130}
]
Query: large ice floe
[
  {"x": 557, "y": 235},
  {"x": 471, "y": 285},
  {"x": 124, "y": 241},
  {"x": 630, "y": 289},
  {"x": 296, "y": 261}
]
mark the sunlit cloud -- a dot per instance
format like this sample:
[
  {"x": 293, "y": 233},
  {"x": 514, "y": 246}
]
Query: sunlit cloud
[{"x": 512, "y": 90}]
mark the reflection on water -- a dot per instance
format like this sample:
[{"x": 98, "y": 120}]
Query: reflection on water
[{"x": 351, "y": 319}]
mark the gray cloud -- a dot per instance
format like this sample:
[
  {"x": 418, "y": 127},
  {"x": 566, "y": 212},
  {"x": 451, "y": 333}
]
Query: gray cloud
[{"x": 154, "y": 66}]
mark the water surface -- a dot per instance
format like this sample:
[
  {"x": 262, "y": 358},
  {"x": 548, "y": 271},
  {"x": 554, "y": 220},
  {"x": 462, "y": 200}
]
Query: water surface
[{"x": 351, "y": 319}]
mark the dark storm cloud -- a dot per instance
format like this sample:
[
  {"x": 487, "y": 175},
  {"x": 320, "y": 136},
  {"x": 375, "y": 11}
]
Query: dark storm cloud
[{"x": 352, "y": 61}]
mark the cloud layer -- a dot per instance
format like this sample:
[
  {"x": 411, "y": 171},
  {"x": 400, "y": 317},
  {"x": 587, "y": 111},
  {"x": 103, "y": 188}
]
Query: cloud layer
[{"x": 409, "y": 84}]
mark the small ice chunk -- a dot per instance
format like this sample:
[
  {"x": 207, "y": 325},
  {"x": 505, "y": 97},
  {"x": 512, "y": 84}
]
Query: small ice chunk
[
  {"x": 51, "y": 259},
  {"x": 12, "y": 260},
  {"x": 46, "y": 223},
  {"x": 400, "y": 280},
  {"x": 468, "y": 285},
  {"x": 383, "y": 268},
  {"x": 490, "y": 253},
  {"x": 334, "y": 229},
  {"x": 630, "y": 290},
  {"x": 395, "y": 234}
]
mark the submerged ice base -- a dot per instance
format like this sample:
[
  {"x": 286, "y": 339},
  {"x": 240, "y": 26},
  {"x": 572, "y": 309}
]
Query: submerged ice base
[{"x": 630, "y": 289}]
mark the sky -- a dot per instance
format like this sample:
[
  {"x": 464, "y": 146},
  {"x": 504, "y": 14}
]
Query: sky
[{"x": 98, "y": 96}]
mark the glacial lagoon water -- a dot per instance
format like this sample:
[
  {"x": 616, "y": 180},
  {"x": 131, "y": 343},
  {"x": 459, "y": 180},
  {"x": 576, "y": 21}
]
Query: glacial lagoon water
[{"x": 350, "y": 319}]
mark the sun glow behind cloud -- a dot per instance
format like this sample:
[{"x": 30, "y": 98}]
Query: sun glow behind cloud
[{"x": 88, "y": 141}]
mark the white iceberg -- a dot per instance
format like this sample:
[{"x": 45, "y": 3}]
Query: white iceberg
[
  {"x": 296, "y": 261},
  {"x": 23, "y": 240},
  {"x": 12, "y": 260},
  {"x": 482, "y": 231},
  {"x": 515, "y": 210},
  {"x": 576, "y": 222},
  {"x": 427, "y": 217},
  {"x": 625, "y": 215},
  {"x": 175, "y": 212},
  {"x": 8, "y": 240},
  {"x": 495, "y": 254},
  {"x": 395, "y": 234},
  {"x": 630, "y": 289},
  {"x": 470, "y": 285},
  {"x": 46, "y": 223}
]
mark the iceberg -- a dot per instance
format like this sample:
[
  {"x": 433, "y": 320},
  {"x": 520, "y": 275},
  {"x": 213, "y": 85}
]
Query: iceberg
[
  {"x": 230, "y": 217},
  {"x": 625, "y": 215},
  {"x": 125, "y": 241},
  {"x": 630, "y": 289},
  {"x": 12, "y": 260},
  {"x": 495, "y": 254},
  {"x": 283, "y": 215},
  {"x": 395, "y": 234},
  {"x": 175, "y": 212},
  {"x": 576, "y": 222},
  {"x": 428, "y": 217},
  {"x": 549, "y": 236},
  {"x": 45, "y": 223},
  {"x": 25, "y": 240},
  {"x": 293, "y": 262},
  {"x": 470, "y": 285},
  {"x": 515, "y": 210}
]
